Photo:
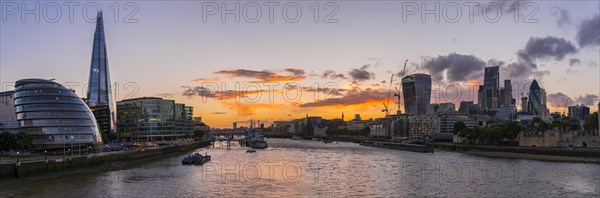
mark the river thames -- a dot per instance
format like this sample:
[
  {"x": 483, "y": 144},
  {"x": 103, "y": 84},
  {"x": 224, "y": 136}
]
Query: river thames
[{"x": 300, "y": 168}]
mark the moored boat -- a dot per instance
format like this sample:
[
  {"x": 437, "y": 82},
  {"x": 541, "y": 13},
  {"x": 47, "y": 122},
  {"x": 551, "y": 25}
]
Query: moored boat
[{"x": 196, "y": 159}]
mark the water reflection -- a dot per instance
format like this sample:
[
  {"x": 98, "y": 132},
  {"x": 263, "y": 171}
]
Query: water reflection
[{"x": 308, "y": 168}]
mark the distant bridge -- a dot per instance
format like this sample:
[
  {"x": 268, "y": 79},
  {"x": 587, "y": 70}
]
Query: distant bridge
[{"x": 225, "y": 133}]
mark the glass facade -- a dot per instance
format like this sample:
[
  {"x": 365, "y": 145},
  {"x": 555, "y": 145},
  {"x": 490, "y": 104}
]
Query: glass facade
[
  {"x": 416, "y": 89},
  {"x": 151, "y": 119},
  {"x": 537, "y": 103},
  {"x": 99, "y": 85},
  {"x": 54, "y": 115},
  {"x": 8, "y": 118},
  {"x": 491, "y": 87}
]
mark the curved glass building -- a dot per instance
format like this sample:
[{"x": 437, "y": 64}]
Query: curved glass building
[
  {"x": 54, "y": 116},
  {"x": 416, "y": 90}
]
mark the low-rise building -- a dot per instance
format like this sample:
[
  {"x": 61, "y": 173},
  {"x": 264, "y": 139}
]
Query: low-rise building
[
  {"x": 153, "y": 119},
  {"x": 8, "y": 117}
]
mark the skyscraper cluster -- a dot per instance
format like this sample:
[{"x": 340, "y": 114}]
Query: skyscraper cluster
[{"x": 491, "y": 95}]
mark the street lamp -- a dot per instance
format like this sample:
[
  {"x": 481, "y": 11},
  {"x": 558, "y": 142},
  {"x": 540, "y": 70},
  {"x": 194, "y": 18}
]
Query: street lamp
[
  {"x": 45, "y": 154},
  {"x": 17, "y": 156}
]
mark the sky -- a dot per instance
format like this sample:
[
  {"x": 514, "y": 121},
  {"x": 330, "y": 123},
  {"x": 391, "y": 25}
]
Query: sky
[{"x": 286, "y": 64}]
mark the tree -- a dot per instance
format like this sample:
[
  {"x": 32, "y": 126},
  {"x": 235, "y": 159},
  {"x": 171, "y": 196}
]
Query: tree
[
  {"x": 511, "y": 130},
  {"x": 6, "y": 141},
  {"x": 23, "y": 141},
  {"x": 459, "y": 127},
  {"x": 591, "y": 122},
  {"x": 198, "y": 134}
]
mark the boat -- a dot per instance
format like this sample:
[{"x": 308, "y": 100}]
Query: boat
[
  {"x": 413, "y": 145},
  {"x": 195, "y": 159},
  {"x": 258, "y": 144},
  {"x": 254, "y": 139},
  {"x": 250, "y": 151}
]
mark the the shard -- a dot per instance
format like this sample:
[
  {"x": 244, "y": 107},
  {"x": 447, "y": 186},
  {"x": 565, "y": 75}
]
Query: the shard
[{"x": 99, "y": 96}]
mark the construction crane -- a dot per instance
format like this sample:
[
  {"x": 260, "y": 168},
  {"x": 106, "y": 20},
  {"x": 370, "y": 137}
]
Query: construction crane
[
  {"x": 397, "y": 94},
  {"x": 387, "y": 101}
]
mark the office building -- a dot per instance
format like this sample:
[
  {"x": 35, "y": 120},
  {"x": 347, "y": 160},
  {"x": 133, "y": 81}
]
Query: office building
[
  {"x": 490, "y": 89},
  {"x": 417, "y": 93},
  {"x": 423, "y": 125},
  {"x": 8, "y": 117},
  {"x": 469, "y": 108},
  {"x": 99, "y": 93},
  {"x": 506, "y": 98},
  {"x": 579, "y": 112},
  {"x": 153, "y": 119},
  {"x": 432, "y": 109},
  {"x": 537, "y": 100},
  {"x": 54, "y": 116}
]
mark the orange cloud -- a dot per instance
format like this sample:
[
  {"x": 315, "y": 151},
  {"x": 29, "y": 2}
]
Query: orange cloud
[{"x": 266, "y": 75}]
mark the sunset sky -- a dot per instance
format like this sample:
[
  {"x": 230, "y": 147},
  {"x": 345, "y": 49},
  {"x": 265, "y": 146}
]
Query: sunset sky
[{"x": 171, "y": 51}]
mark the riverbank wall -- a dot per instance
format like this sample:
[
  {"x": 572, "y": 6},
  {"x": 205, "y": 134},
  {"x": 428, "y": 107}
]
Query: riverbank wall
[
  {"x": 43, "y": 167},
  {"x": 575, "y": 152}
]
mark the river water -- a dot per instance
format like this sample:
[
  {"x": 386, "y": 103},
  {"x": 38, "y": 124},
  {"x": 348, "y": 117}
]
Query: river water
[{"x": 301, "y": 168}]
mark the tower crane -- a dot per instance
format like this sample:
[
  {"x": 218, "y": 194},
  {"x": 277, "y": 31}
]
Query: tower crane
[
  {"x": 387, "y": 101},
  {"x": 397, "y": 94}
]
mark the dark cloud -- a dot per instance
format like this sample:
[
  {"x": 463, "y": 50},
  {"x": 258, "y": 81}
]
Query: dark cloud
[
  {"x": 574, "y": 61},
  {"x": 523, "y": 71},
  {"x": 495, "y": 62},
  {"x": 218, "y": 113},
  {"x": 329, "y": 90},
  {"x": 457, "y": 67},
  {"x": 225, "y": 94},
  {"x": 563, "y": 18},
  {"x": 559, "y": 98},
  {"x": 360, "y": 75},
  {"x": 589, "y": 32},
  {"x": 266, "y": 75},
  {"x": 166, "y": 95},
  {"x": 587, "y": 99},
  {"x": 546, "y": 48},
  {"x": 297, "y": 72},
  {"x": 507, "y": 6},
  {"x": 569, "y": 71},
  {"x": 333, "y": 75},
  {"x": 352, "y": 97}
]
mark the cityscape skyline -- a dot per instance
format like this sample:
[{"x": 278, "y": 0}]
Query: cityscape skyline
[{"x": 456, "y": 59}]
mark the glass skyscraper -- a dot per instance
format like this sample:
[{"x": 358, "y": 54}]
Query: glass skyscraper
[
  {"x": 491, "y": 87},
  {"x": 54, "y": 115},
  {"x": 537, "y": 100},
  {"x": 416, "y": 89},
  {"x": 99, "y": 96}
]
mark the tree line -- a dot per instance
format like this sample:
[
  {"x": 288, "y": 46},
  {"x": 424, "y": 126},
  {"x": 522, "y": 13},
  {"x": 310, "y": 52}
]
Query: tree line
[{"x": 15, "y": 141}]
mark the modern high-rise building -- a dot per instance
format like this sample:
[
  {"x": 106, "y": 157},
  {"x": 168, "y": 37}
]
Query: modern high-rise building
[
  {"x": 579, "y": 112},
  {"x": 8, "y": 117},
  {"x": 537, "y": 100},
  {"x": 491, "y": 87},
  {"x": 524, "y": 104},
  {"x": 153, "y": 119},
  {"x": 99, "y": 95},
  {"x": 54, "y": 116},
  {"x": 506, "y": 98},
  {"x": 416, "y": 90}
]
